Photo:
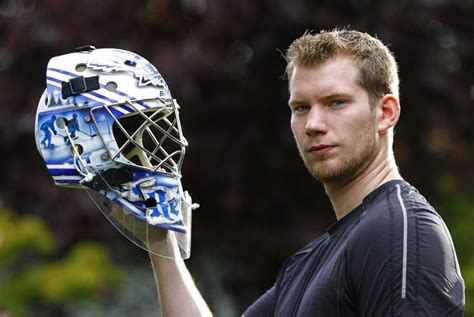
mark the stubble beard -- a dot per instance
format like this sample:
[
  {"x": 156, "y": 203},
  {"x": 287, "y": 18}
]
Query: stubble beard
[{"x": 347, "y": 167}]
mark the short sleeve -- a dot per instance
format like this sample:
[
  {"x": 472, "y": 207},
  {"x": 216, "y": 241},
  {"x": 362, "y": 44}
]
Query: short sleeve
[{"x": 403, "y": 263}]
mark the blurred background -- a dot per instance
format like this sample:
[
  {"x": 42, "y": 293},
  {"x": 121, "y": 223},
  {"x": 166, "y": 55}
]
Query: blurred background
[{"x": 222, "y": 60}]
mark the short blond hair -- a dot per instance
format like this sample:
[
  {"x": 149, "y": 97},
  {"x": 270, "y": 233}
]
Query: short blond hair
[{"x": 378, "y": 71}]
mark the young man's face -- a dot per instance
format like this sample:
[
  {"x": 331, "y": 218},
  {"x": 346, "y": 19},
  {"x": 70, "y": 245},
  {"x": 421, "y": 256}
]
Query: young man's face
[{"x": 332, "y": 121}]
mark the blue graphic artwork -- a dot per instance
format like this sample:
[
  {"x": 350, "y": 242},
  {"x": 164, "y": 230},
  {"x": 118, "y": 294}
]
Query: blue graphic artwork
[
  {"x": 47, "y": 127},
  {"x": 153, "y": 197},
  {"x": 72, "y": 127},
  {"x": 120, "y": 60},
  {"x": 57, "y": 148}
]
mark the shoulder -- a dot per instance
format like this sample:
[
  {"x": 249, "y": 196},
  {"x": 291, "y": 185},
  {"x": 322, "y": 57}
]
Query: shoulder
[
  {"x": 398, "y": 211},
  {"x": 402, "y": 251},
  {"x": 401, "y": 225}
]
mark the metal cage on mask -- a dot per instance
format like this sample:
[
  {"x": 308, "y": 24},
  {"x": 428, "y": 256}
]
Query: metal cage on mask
[{"x": 151, "y": 139}]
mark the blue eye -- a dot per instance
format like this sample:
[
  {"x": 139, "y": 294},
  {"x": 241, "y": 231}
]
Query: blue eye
[
  {"x": 337, "y": 103},
  {"x": 300, "y": 109}
]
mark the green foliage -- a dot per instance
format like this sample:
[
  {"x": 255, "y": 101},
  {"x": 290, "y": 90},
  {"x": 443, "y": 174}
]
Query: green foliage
[
  {"x": 28, "y": 275},
  {"x": 28, "y": 233}
]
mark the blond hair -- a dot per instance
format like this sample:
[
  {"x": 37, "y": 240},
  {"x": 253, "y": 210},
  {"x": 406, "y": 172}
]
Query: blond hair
[{"x": 378, "y": 71}]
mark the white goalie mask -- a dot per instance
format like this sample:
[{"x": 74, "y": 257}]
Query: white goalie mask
[{"x": 107, "y": 123}]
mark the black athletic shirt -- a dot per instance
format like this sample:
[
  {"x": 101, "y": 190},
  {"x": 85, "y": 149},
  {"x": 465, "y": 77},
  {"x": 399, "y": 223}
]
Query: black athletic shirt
[{"x": 390, "y": 256}]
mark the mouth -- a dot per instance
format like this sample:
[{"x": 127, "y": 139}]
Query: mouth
[{"x": 320, "y": 149}]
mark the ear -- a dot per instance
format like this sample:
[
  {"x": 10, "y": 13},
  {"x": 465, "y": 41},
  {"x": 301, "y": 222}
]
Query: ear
[{"x": 389, "y": 112}]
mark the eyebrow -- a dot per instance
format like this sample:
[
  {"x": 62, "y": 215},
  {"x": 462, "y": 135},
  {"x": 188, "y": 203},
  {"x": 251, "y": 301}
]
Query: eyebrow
[
  {"x": 336, "y": 95},
  {"x": 329, "y": 96}
]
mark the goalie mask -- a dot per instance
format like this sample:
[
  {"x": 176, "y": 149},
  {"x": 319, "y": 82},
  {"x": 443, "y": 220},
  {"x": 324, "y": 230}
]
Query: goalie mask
[{"x": 107, "y": 123}]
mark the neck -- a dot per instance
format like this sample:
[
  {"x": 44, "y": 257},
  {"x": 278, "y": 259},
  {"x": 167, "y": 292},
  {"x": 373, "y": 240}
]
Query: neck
[{"x": 345, "y": 196}]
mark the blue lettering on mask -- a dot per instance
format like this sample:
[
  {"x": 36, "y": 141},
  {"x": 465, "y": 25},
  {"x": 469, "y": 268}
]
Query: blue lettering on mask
[{"x": 165, "y": 208}]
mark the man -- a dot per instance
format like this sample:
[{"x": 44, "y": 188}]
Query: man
[
  {"x": 72, "y": 127},
  {"x": 47, "y": 127},
  {"x": 389, "y": 252}
]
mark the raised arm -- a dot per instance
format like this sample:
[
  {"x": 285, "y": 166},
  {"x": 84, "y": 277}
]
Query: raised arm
[{"x": 177, "y": 293}]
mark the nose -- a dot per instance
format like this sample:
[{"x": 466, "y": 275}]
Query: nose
[{"x": 316, "y": 122}]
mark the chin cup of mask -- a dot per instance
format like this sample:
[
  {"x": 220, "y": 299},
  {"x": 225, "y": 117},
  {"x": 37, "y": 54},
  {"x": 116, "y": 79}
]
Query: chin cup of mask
[{"x": 164, "y": 228}]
